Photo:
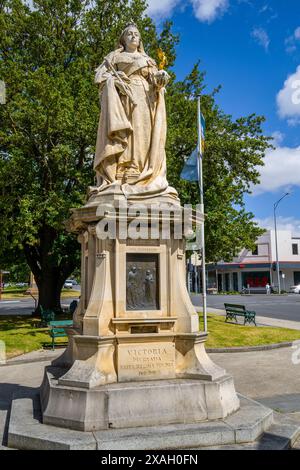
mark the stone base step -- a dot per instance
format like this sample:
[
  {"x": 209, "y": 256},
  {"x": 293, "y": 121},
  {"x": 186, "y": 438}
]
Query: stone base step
[
  {"x": 283, "y": 434},
  {"x": 241, "y": 428}
]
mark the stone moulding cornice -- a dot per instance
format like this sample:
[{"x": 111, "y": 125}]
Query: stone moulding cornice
[
  {"x": 197, "y": 337},
  {"x": 101, "y": 340},
  {"x": 144, "y": 320},
  {"x": 142, "y": 337},
  {"x": 81, "y": 218}
]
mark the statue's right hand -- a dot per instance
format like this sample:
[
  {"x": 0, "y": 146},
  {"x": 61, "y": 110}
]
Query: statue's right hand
[{"x": 124, "y": 89}]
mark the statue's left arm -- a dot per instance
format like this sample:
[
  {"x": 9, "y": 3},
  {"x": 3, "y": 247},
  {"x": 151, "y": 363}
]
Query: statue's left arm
[{"x": 160, "y": 78}]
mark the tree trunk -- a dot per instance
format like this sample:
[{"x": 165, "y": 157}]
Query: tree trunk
[
  {"x": 48, "y": 273},
  {"x": 50, "y": 288}
]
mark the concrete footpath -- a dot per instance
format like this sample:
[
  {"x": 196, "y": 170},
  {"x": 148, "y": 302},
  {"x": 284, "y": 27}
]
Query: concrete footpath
[
  {"x": 22, "y": 378},
  {"x": 270, "y": 377}
]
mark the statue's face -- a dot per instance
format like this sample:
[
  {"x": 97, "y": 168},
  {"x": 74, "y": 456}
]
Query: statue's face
[{"x": 132, "y": 39}]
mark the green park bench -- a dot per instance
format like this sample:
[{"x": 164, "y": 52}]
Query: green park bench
[
  {"x": 57, "y": 329},
  {"x": 233, "y": 311},
  {"x": 46, "y": 315}
]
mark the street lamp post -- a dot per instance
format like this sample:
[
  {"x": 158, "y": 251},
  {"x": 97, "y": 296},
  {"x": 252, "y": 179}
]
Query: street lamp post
[{"x": 276, "y": 241}]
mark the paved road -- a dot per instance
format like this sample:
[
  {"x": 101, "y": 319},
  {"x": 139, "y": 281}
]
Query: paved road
[
  {"x": 17, "y": 307},
  {"x": 285, "y": 307},
  {"x": 23, "y": 306}
]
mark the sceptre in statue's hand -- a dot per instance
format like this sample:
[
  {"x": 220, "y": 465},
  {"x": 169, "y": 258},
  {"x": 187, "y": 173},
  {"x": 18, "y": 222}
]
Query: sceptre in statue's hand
[{"x": 162, "y": 77}]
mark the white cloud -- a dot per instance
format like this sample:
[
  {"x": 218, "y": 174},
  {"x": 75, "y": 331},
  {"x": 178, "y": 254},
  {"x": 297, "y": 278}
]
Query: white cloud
[
  {"x": 209, "y": 10},
  {"x": 264, "y": 8},
  {"x": 262, "y": 38},
  {"x": 283, "y": 223},
  {"x": 288, "y": 98},
  {"x": 297, "y": 33},
  {"x": 204, "y": 10},
  {"x": 290, "y": 48},
  {"x": 278, "y": 138},
  {"x": 161, "y": 7},
  {"x": 291, "y": 41},
  {"x": 268, "y": 12},
  {"x": 281, "y": 170}
]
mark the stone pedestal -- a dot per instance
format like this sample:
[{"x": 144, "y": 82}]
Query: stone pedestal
[
  {"x": 135, "y": 355},
  {"x": 136, "y": 404}
]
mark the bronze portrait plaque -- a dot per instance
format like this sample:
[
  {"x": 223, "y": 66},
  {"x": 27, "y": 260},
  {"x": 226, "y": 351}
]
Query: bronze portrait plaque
[{"x": 142, "y": 281}]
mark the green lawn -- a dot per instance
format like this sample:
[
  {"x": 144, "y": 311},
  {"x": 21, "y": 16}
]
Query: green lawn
[
  {"x": 223, "y": 334},
  {"x": 65, "y": 293},
  {"x": 13, "y": 292},
  {"x": 22, "y": 335}
]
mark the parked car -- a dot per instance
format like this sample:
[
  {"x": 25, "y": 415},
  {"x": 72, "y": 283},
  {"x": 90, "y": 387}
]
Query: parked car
[
  {"x": 295, "y": 289},
  {"x": 68, "y": 284}
]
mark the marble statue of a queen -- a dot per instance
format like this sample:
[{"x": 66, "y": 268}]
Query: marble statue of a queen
[{"x": 130, "y": 149}]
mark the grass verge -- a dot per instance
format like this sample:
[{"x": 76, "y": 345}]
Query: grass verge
[
  {"x": 229, "y": 335},
  {"x": 22, "y": 335}
]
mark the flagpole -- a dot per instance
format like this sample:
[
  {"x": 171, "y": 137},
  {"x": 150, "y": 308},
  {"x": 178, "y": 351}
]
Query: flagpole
[{"x": 200, "y": 182}]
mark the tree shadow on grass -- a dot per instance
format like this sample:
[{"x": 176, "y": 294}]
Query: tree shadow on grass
[{"x": 17, "y": 322}]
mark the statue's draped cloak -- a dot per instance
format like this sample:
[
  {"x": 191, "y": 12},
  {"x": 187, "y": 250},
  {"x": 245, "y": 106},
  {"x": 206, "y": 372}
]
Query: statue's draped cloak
[{"x": 131, "y": 135}]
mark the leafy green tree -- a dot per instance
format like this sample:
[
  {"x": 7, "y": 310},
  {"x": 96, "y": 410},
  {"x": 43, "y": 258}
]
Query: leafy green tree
[
  {"x": 234, "y": 151},
  {"x": 48, "y": 126},
  {"x": 48, "y": 55},
  {"x": 15, "y": 265}
]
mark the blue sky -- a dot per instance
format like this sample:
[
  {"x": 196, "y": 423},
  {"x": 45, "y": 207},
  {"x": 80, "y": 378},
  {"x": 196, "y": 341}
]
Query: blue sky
[{"x": 251, "y": 48}]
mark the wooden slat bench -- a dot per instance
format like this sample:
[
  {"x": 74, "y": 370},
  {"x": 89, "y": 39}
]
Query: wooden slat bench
[
  {"x": 233, "y": 311},
  {"x": 57, "y": 329}
]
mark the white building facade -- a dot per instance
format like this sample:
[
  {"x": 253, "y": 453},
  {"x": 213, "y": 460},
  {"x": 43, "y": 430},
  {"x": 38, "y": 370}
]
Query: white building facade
[{"x": 254, "y": 269}]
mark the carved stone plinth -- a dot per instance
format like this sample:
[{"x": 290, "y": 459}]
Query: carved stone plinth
[{"x": 136, "y": 332}]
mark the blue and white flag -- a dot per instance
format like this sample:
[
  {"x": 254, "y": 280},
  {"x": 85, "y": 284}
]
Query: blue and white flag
[{"x": 190, "y": 169}]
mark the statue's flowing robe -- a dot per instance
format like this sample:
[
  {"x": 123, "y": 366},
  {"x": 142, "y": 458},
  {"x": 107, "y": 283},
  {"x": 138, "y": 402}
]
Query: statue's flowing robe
[{"x": 131, "y": 136}]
